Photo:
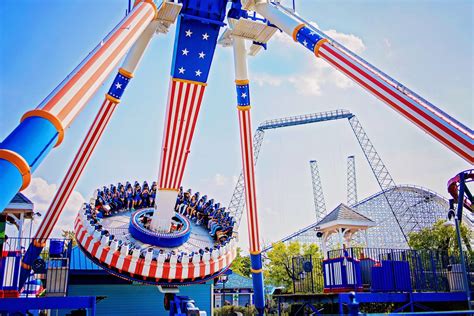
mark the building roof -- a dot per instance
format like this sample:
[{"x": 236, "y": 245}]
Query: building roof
[
  {"x": 19, "y": 206},
  {"x": 344, "y": 214},
  {"x": 236, "y": 281},
  {"x": 79, "y": 262}
]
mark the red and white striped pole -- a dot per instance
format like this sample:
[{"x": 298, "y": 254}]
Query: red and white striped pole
[
  {"x": 444, "y": 128},
  {"x": 246, "y": 146},
  {"x": 112, "y": 99}
]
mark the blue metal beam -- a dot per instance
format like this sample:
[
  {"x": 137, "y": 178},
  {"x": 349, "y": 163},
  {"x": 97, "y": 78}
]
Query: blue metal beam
[{"x": 68, "y": 302}]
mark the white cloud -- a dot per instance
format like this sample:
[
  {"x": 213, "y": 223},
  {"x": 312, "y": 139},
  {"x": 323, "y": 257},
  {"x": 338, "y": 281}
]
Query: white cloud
[
  {"x": 318, "y": 72},
  {"x": 220, "y": 180},
  {"x": 41, "y": 193}
]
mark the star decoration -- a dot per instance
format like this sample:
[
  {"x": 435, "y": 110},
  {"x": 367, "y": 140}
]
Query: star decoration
[
  {"x": 305, "y": 43},
  {"x": 202, "y": 55},
  {"x": 312, "y": 33},
  {"x": 205, "y": 36},
  {"x": 185, "y": 52},
  {"x": 181, "y": 70},
  {"x": 189, "y": 33},
  {"x": 244, "y": 95},
  {"x": 198, "y": 73},
  {"x": 118, "y": 85}
]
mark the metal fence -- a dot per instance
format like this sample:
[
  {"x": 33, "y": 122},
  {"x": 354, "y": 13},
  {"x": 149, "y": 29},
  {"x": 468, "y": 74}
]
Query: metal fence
[
  {"x": 49, "y": 274},
  {"x": 388, "y": 270}
]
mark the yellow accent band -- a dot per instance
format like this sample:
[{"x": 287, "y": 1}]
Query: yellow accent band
[
  {"x": 296, "y": 30},
  {"x": 168, "y": 189},
  {"x": 25, "y": 266},
  {"x": 190, "y": 81},
  {"x": 125, "y": 73},
  {"x": 318, "y": 46},
  {"x": 37, "y": 243},
  {"x": 255, "y": 252},
  {"x": 242, "y": 82},
  {"x": 51, "y": 118},
  {"x": 20, "y": 163},
  {"x": 154, "y": 7},
  {"x": 256, "y": 271},
  {"x": 244, "y": 107},
  {"x": 111, "y": 98}
]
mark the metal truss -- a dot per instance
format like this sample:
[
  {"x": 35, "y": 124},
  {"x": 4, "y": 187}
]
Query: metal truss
[
  {"x": 351, "y": 181},
  {"x": 319, "y": 203},
  {"x": 237, "y": 202},
  {"x": 397, "y": 209}
]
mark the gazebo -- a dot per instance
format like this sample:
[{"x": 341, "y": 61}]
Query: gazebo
[
  {"x": 17, "y": 211},
  {"x": 344, "y": 222}
]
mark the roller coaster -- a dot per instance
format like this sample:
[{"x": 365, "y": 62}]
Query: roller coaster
[{"x": 250, "y": 25}]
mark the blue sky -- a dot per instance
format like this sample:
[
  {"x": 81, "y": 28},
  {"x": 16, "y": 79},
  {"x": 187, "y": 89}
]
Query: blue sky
[{"x": 427, "y": 45}]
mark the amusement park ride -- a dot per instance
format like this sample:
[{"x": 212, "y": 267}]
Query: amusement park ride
[{"x": 251, "y": 22}]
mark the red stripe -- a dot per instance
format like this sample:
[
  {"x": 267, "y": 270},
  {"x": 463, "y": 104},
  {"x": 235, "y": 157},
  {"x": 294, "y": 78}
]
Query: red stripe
[
  {"x": 191, "y": 270},
  {"x": 180, "y": 133},
  {"x": 139, "y": 266},
  {"x": 396, "y": 94},
  {"x": 152, "y": 271},
  {"x": 183, "y": 144},
  {"x": 104, "y": 254},
  {"x": 126, "y": 263},
  {"x": 115, "y": 257},
  {"x": 165, "y": 135},
  {"x": 188, "y": 145},
  {"x": 179, "y": 271},
  {"x": 398, "y": 108},
  {"x": 202, "y": 269},
  {"x": 88, "y": 241},
  {"x": 246, "y": 178},
  {"x": 172, "y": 133},
  {"x": 166, "y": 271},
  {"x": 95, "y": 248}
]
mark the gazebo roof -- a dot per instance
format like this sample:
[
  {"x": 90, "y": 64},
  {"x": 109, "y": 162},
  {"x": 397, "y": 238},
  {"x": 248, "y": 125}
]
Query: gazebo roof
[
  {"x": 20, "y": 204},
  {"x": 344, "y": 216}
]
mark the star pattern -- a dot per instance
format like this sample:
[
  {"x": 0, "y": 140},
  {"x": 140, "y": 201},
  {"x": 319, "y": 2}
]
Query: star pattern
[
  {"x": 118, "y": 85},
  {"x": 244, "y": 95},
  {"x": 194, "y": 50}
]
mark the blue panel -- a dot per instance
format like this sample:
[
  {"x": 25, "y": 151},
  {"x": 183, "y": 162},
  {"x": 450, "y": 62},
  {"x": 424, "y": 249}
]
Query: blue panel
[
  {"x": 32, "y": 139},
  {"x": 258, "y": 289},
  {"x": 308, "y": 38},
  {"x": 10, "y": 182},
  {"x": 243, "y": 95},
  {"x": 256, "y": 261},
  {"x": 139, "y": 299},
  {"x": 195, "y": 44},
  {"x": 118, "y": 86}
]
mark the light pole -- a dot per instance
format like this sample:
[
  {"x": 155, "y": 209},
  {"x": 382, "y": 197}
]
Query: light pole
[{"x": 457, "y": 220}]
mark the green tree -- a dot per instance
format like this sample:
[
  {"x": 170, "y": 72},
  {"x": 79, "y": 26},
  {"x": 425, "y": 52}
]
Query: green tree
[
  {"x": 241, "y": 264},
  {"x": 278, "y": 267},
  {"x": 441, "y": 237}
]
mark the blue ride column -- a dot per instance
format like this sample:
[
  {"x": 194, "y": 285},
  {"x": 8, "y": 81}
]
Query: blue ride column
[
  {"x": 43, "y": 128},
  {"x": 243, "y": 107}
]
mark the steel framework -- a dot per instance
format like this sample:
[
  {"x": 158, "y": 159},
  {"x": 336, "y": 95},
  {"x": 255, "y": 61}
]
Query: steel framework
[
  {"x": 351, "y": 181},
  {"x": 429, "y": 205},
  {"x": 399, "y": 211},
  {"x": 319, "y": 202}
]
